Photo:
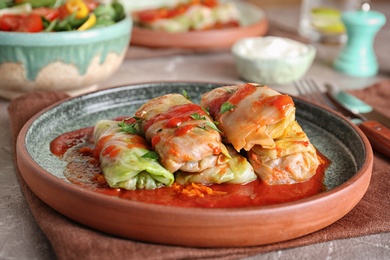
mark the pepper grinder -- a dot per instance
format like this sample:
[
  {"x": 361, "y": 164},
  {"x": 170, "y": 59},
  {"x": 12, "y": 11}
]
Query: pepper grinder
[{"x": 358, "y": 57}]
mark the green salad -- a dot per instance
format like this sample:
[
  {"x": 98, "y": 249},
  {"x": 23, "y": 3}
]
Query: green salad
[{"x": 58, "y": 15}]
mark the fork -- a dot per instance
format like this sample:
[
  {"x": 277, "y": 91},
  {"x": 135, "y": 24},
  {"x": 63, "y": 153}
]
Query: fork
[
  {"x": 378, "y": 135},
  {"x": 309, "y": 89}
]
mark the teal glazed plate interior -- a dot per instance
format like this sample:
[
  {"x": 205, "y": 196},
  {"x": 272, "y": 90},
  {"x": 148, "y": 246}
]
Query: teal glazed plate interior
[{"x": 346, "y": 179}]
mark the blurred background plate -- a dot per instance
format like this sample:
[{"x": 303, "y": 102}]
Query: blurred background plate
[
  {"x": 253, "y": 23},
  {"x": 346, "y": 179}
]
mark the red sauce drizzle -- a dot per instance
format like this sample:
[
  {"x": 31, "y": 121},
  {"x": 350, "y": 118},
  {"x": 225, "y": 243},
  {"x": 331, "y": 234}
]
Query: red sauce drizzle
[
  {"x": 63, "y": 142},
  {"x": 183, "y": 130},
  {"x": 100, "y": 145},
  {"x": 241, "y": 93},
  {"x": 173, "y": 122},
  {"x": 155, "y": 139},
  {"x": 84, "y": 170},
  {"x": 215, "y": 105},
  {"x": 280, "y": 102},
  {"x": 182, "y": 113},
  {"x": 232, "y": 97}
]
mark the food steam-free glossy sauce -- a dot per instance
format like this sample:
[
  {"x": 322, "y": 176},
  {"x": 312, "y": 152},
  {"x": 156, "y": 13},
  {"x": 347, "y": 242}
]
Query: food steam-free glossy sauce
[{"x": 83, "y": 169}]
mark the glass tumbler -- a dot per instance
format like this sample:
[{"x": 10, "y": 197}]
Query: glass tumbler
[{"x": 320, "y": 20}]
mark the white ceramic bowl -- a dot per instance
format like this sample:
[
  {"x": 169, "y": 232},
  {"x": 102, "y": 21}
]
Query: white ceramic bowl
[
  {"x": 272, "y": 60},
  {"x": 73, "y": 62}
]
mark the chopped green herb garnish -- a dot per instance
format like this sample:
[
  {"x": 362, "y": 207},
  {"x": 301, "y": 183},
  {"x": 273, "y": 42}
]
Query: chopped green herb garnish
[
  {"x": 230, "y": 90},
  {"x": 151, "y": 155},
  {"x": 185, "y": 94},
  {"x": 213, "y": 126},
  {"x": 206, "y": 110},
  {"x": 227, "y": 106},
  {"x": 196, "y": 116},
  {"x": 128, "y": 128},
  {"x": 202, "y": 127}
]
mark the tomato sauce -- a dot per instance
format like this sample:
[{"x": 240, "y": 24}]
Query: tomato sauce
[
  {"x": 151, "y": 15},
  {"x": 83, "y": 169},
  {"x": 183, "y": 130},
  {"x": 281, "y": 102},
  {"x": 215, "y": 105},
  {"x": 242, "y": 93},
  {"x": 181, "y": 113}
]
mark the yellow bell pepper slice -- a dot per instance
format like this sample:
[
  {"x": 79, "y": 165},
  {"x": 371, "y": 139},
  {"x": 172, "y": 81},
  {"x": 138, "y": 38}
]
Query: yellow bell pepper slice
[
  {"x": 77, "y": 6},
  {"x": 91, "y": 21}
]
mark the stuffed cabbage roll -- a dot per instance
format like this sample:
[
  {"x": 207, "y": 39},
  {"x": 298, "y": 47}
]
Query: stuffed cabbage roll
[
  {"x": 125, "y": 159},
  {"x": 188, "y": 16},
  {"x": 237, "y": 171},
  {"x": 249, "y": 114},
  {"x": 182, "y": 134},
  {"x": 293, "y": 160}
]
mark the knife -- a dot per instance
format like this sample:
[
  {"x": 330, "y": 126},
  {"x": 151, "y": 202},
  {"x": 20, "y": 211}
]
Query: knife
[
  {"x": 357, "y": 106},
  {"x": 365, "y": 117}
]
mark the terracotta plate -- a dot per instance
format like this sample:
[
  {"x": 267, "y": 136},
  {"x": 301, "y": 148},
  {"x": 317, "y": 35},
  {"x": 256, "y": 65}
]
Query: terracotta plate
[
  {"x": 253, "y": 21},
  {"x": 347, "y": 179}
]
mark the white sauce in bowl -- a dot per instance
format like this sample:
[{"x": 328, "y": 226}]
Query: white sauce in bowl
[{"x": 270, "y": 48}]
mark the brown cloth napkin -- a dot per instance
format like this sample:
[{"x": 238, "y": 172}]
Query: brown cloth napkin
[{"x": 71, "y": 240}]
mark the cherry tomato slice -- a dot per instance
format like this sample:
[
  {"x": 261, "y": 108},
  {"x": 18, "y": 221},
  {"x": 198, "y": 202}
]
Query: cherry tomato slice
[
  {"x": 49, "y": 13},
  {"x": 63, "y": 12},
  {"x": 30, "y": 23},
  {"x": 21, "y": 23},
  {"x": 9, "y": 22}
]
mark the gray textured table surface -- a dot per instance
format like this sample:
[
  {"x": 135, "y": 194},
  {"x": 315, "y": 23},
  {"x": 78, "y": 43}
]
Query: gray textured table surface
[{"x": 20, "y": 236}]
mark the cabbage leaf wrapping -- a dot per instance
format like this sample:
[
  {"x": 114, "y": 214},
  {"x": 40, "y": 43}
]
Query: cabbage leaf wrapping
[
  {"x": 261, "y": 121},
  {"x": 293, "y": 160},
  {"x": 184, "y": 18},
  {"x": 182, "y": 134},
  {"x": 124, "y": 161},
  {"x": 249, "y": 114},
  {"x": 236, "y": 171}
]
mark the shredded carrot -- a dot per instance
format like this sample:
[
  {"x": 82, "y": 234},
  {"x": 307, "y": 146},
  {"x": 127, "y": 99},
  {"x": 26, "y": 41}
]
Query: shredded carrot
[
  {"x": 176, "y": 187},
  {"x": 99, "y": 178},
  {"x": 194, "y": 189}
]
